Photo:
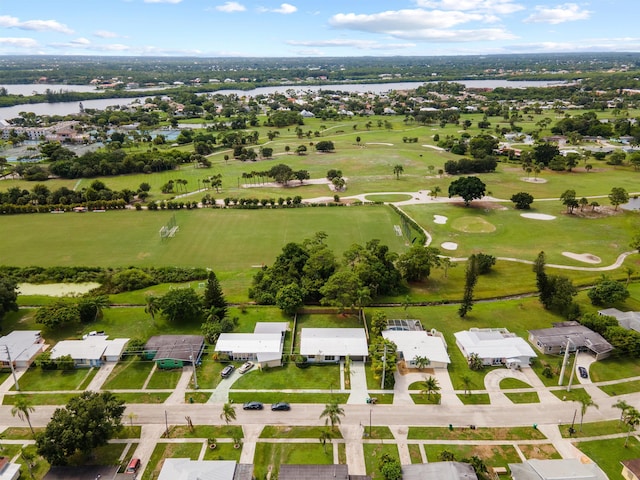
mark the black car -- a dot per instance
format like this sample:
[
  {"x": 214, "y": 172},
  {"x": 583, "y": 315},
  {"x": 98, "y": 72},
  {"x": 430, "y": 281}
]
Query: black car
[
  {"x": 280, "y": 406},
  {"x": 227, "y": 371},
  {"x": 583, "y": 372},
  {"x": 252, "y": 406}
]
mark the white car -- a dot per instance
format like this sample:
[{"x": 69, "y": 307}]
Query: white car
[{"x": 245, "y": 367}]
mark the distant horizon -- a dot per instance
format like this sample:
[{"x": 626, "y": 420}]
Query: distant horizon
[{"x": 332, "y": 28}]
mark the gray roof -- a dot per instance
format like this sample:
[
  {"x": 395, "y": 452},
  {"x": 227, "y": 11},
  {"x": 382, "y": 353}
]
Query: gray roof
[
  {"x": 439, "y": 470},
  {"x": 564, "y": 469},
  {"x": 580, "y": 335},
  {"x": 313, "y": 472},
  {"x": 175, "y": 347},
  {"x": 80, "y": 473},
  {"x": 628, "y": 320},
  {"x": 244, "y": 471}
]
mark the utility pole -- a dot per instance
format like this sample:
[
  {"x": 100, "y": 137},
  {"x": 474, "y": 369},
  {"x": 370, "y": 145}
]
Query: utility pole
[
  {"x": 13, "y": 370},
  {"x": 565, "y": 360},
  {"x": 573, "y": 372},
  {"x": 193, "y": 364},
  {"x": 384, "y": 365}
]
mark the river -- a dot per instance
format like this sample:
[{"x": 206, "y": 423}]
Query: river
[{"x": 66, "y": 108}]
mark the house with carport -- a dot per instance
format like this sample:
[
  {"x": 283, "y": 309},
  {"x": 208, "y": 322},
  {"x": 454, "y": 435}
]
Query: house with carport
[
  {"x": 628, "y": 320},
  {"x": 571, "y": 335},
  {"x": 20, "y": 348},
  {"x": 174, "y": 351},
  {"x": 187, "y": 469},
  {"x": 419, "y": 343},
  {"x": 495, "y": 346},
  {"x": 263, "y": 346},
  {"x": 439, "y": 470},
  {"x": 566, "y": 468},
  {"x": 92, "y": 351},
  {"x": 333, "y": 344}
]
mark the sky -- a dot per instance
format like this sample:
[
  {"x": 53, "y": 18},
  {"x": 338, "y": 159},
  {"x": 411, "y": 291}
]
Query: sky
[{"x": 315, "y": 28}]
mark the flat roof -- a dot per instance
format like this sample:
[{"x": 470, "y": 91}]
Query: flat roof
[
  {"x": 333, "y": 341},
  {"x": 91, "y": 348},
  {"x": 271, "y": 327},
  {"x": 175, "y": 347},
  {"x": 249, "y": 342},
  {"x": 187, "y": 469},
  {"x": 580, "y": 335},
  {"x": 22, "y": 345},
  {"x": 414, "y": 344},
  {"x": 564, "y": 469},
  {"x": 313, "y": 472},
  {"x": 494, "y": 344}
]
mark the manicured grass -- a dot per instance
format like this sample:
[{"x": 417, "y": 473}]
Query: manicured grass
[
  {"x": 539, "y": 451},
  {"x": 269, "y": 456},
  {"x": 523, "y": 397},
  {"x": 372, "y": 454},
  {"x": 41, "y": 466},
  {"x": 206, "y": 431},
  {"x": 19, "y": 433},
  {"x": 192, "y": 396},
  {"x": 621, "y": 388},
  {"x": 513, "y": 383},
  {"x": 274, "y": 397},
  {"x": 128, "y": 374},
  {"x": 224, "y": 451},
  {"x": 492, "y": 455},
  {"x": 291, "y": 377},
  {"x": 392, "y": 197},
  {"x": 475, "y": 399},
  {"x": 169, "y": 450},
  {"x": 128, "y": 431},
  {"x": 42, "y": 398},
  {"x": 342, "y": 454},
  {"x": 593, "y": 429},
  {"x": 163, "y": 379},
  {"x": 104, "y": 455},
  {"x": 614, "y": 368},
  {"x": 609, "y": 453},
  {"x": 479, "y": 433},
  {"x": 377, "y": 432},
  {"x": 276, "y": 431},
  {"x": 424, "y": 399},
  {"x": 414, "y": 453},
  {"x": 573, "y": 396},
  {"x": 143, "y": 397},
  {"x": 38, "y": 380},
  {"x": 383, "y": 398}
]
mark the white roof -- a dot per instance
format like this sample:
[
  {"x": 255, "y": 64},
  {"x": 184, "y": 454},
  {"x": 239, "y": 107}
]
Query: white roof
[
  {"x": 557, "y": 469},
  {"x": 22, "y": 344},
  {"x": 414, "y": 344},
  {"x": 493, "y": 344},
  {"x": 115, "y": 347},
  {"x": 90, "y": 348},
  {"x": 271, "y": 327},
  {"x": 333, "y": 341},
  {"x": 250, "y": 342},
  {"x": 187, "y": 469}
]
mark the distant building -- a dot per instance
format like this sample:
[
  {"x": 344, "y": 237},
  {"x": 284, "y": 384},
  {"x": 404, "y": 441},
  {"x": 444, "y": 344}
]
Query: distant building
[
  {"x": 495, "y": 346},
  {"x": 264, "y": 345},
  {"x": 8, "y": 470},
  {"x": 568, "y": 468},
  {"x": 553, "y": 341},
  {"x": 333, "y": 344},
  {"x": 628, "y": 320}
]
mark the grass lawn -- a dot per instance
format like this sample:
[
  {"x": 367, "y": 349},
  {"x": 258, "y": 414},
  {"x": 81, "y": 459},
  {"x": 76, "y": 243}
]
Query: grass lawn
[
  {"x": 414, "y": 453},
  {"x": 191, "y": 396},
  {"x": 377, "y": 433},
  {"x": 424, "y": 399},
  {"x": 38, "y": 380},
  {"x": 593, "y": 429},
  {"x": 289, "y": 376},
  {"x": 614, "y": 369},
  {"x": 129, "y": 431},
  {"x": 128, "y": 374},
  {"x": 540, "y": 451},
  {"x": 573, "y": 396},
  {"x": 492, "y": 455},
  {"x": 524, "y": 397},
  {"x": 169, "y": 450},
  {"x": 269, "y": 456},
  {"x": 223, "y": 451},
  {"x": 513, "y": 383},
  {"x": 621, "y": 388},
  {"x": 479, "y": 433},
  {"x": 143, "y": 397},
  {"x": 19, "y": 433},
  {"x": 42, "y": 398},
  {"x": 275, "y": 396},
  {"x": 41, "y": 467},
  {"x": 609, "y": 453},
  {"x": 276, "y": 431},
  {"x": 206, "y": 431},
  {"x": 105, "y": 455},
  {"x": 475, "y": 399},
  {"x": 163, "y": 379},
  {"x": 372, "y": 454}
]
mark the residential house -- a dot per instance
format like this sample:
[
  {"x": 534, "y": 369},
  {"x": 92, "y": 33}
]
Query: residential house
[
  {"x": 553, "y": 341},
  {"x": 263, "y": 346},
  {"x": 8, "y": 470},
  {"x": 566, "y": 469},
  {"x": 333, "y": 344},
  {"x": 187, "y": 469},
  {"x": 631, "y": 469},
  {"x": 22, "y": 347},
  {"x": 91, "y": 351},
  {"x": 174, "y": 351},
  {"x": 439, "y": 470},
  {"x": 419, "y": 343},
  {"x": 628, "y": 320},
  {"x": 318, "y": 472},
  {"x": 495, "y": 346}
]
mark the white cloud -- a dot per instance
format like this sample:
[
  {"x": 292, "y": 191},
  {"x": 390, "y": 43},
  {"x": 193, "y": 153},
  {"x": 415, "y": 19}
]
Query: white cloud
[
  {"x": 451, "y": 36},
  {"x": 498, "y": 7},
  {"x": 18, "y": 42},
  {"x": 567, "y": 12},
  {"x": 627, "y": 44},
  {"x": 399, "y": 20},
  {"x": 105, "y": 34},
  {"x": 34, "y": 25},
  {"x": 231, "y": 7},
  {"x": 162, "y": 1},
  {"x": 359, "y": 44},
  {"x": 285, "y": 9}
]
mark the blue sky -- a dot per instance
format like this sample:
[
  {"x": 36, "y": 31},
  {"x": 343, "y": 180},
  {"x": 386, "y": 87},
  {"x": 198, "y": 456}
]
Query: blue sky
[{"x": 266, "y": 28}]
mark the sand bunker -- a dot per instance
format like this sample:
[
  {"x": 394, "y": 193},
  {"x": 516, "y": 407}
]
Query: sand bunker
[
  {"x": 434, "y": 147},
  {"x": 56, "y": 289},
  {"x": 440, "y": 219},
  {"x": 534, "y": 180},
  {"x": 538, "y": 216},
  {"x": 449, "y": 245},
  {"x": 582, "y": 257},
  {"x": 380, "y": 143}
]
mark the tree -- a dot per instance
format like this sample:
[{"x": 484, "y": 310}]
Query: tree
[
  {"x": 469, "y": 188},
  {"x": 585, "y": 404},
  {"x": 416, "y": 263},
  {"x": 325, "y": 146},
  {"x": 522, "y": 200},
  {"x": 91, "y": 307},
  {"x": 484, "y": 263},
  {"x": 635, "y": 242},
  {"x": 435, "y": 191},
  {"x": 475, "y": 362},
  {"x": 397, "y": 170},
  {"x": 214, "y": 300},
  {"x": 631, "y": 420},
  {"x": 471, "y": 277},
  {"x": 623, "y": 406},
  {"x": 341, "y": 289},
  {"x": 22, "y": 408},
  {"x": 8, "y": 296},
  {"x": 58, "y": 314},
  {"x": 430, "y": 386},
  {"x": 182, "y": 304},
  {"x": 152, "y": 306},
  {"x": 618, "y": 196},
  {"x": 607, "y": 292},
  {"x": 545, "y": 152},
  {"x": 390, "y": 467},
  {"x": 87, "y": 421},
  {"x": 467, "y": 382},
  {"x": 228, "y": 413},
  {"x": 568, "y": 198},
  {"x": 332, "y": 414},
  {"x": 325, "y": 436},
  {"x": 290, "y": 298},
  {"x": 421, "y": 362}
]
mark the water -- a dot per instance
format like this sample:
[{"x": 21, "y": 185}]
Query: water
[
  {"x": 66, "y": 108},
  {"x": 634, "y": 204}
]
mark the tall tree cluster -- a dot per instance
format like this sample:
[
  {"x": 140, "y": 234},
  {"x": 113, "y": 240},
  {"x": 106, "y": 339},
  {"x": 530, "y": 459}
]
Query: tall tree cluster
[{"x": 556, "y": 292}]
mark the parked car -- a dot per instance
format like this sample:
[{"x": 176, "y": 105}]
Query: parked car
[
  {"x": 252, "y": 406},
  {"x": 133, "y": 465},
  {"x": 245, "y": 367},
  {"x": 280, "y": 406},
  {"x": 583, "y": 372},
  {"x": 227, "y": 371}
]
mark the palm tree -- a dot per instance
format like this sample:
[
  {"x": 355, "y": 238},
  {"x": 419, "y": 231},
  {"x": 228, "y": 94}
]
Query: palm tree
[
  {"x": 332, "y": 413},
  {"x": 397, "y": 170},
  {"x": 429, "y": 386},
  {"x": 623, "y": 406},
  {"x": 22, "y": 407},
  {"x": 631, "y": 419},
  {"x": 325, "y": 436},
  {"x": 228, "y": 413},
  {"x": 435, "y": 191},
  {"x": 99, "y": 303},
  {"x": 467, "y": 382},
  {"x": 131, "y": 416},
  {"x": 421, "y": 362},
  {"x": 152, "y": 307},
  {"x": 585, "y": 403},
  {"x": 629, "y": 271}
]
